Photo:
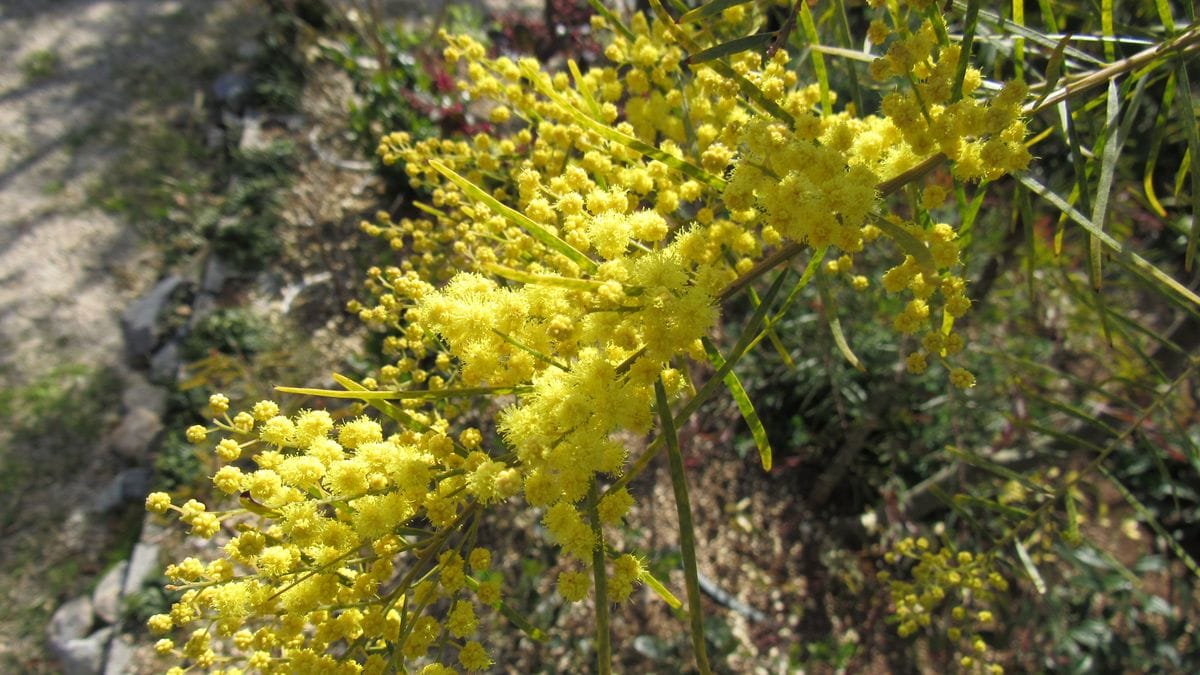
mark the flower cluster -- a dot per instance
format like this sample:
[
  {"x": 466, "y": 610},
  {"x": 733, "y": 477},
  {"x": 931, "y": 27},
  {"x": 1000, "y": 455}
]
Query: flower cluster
[
  {"x": 965, "y": 583},
  {"x": 573, "y": 260},
  {"x": 341, "y": 506}
]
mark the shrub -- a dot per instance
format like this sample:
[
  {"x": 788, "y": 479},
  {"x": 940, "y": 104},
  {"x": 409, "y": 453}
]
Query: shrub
[{"x": 570, "y": 267}]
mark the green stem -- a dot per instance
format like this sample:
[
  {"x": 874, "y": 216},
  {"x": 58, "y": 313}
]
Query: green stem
[
  {"x": 603, "y": 640},
  {"x": 687, "y": 535}
]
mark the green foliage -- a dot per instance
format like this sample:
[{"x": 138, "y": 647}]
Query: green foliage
[
  {"x": 1085, "y": 317},
  {"x": 233, "y": 331},
  {"x": 40, "y": 65},
  {"x": 179, "y": 467},
  {"x": 400, "y": 79},
  {"x": 152, "y": 598},
  {"x": 50, "y": 425},
  {"x": 243, "y": 227}
]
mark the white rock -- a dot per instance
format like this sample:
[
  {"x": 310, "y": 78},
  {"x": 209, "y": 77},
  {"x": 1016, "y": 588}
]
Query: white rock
[
  {"x": 142, "y": 564},
  {"x": 106, "y": 599},
  {"x": 134, "y": 436},
  {"x": 85, "y": 656},
  {"x": 120, "y": 656},
  {"x": 71, "y": 621}
]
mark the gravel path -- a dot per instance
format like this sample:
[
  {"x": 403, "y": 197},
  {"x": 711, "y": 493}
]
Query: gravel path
[
  {"x": 75, "y": 76},
  {"x": 71, "y": 73}
]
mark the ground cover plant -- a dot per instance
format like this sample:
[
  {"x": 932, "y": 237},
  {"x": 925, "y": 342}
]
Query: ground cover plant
[{"x": 632, "y": 234}]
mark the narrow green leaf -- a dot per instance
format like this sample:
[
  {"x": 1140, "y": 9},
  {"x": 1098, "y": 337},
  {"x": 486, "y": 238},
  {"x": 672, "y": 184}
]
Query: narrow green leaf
[
  {"x": 709, "y": 9},
  {"x": 660, "y": 590},
  {"x": 1047, "y": 9},
  {"x": 818, "y": 59},
  {"x": 1149, "y": 518},
  {"x": 583, "y": 88},
  {"x": 1000, "y": 25},
  {"x": 969, "y": 211},
  {"x": 516, "y": 618},
  {"x": 742, "y": 399},
  {"x": 813, "y": 266},
  {"x": 1005, "y": 510},
  {"x": 683, "y": 166},
  {"x": 1065, "y": 437},
  {"x": 419, "y": 394},
  {"x": 1072, "y": 535},
  {"x": 746, "y": 87},
  {"x": 1053, "y": 67},
  {"x": 1039, "y": 584},
  {"x": 515, "y": 217},
  {"x": 544, "y": 358},
  {"x": 1018, "y": 17},
  {"x": 829, "y": 309},
  {"x": 843, "y": 23},
  {"x": 749, "y": 333},
  {"x": 612, "y": 19},
  {"x": 737, "y": 46},
  {"x": 1108, "y": 163},
  {"x": 968, "y": 38},
  {"x": 1122, "y": 252},
  {"x": 1156, "y": 139},
  {"x": 1078, "y": 160},
  {"x": 429, "y": 209},
  {"x": 1106, "y": 27},
  {"x": 995, "y": 468},
  {"x": 1025, "y": 210},
  {"x": 600, "y": 584},
  {"x": 393, "y": 412},
  {"x": 524, "y": 277},
  {"x": 934, "y": 15},
  {"x": 1187, "y": 108},
  {"x": 1164, "y": 16},
  {"x": 248, "y": 503},
  {"x": 908, "y": 243}
]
